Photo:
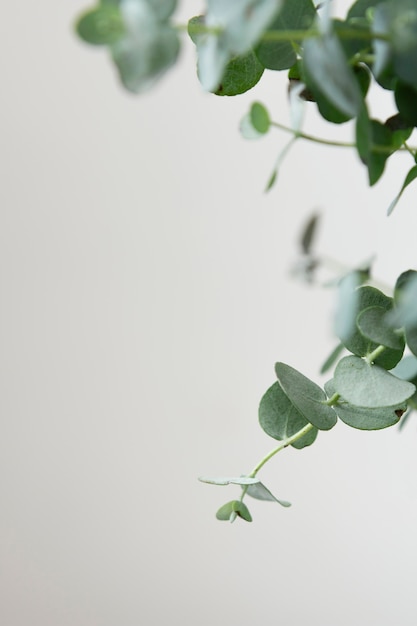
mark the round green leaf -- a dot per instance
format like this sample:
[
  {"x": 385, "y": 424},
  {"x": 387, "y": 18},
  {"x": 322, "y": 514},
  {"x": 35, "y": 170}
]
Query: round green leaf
[
  {"x": 373, "y": 324},
  {"x": 260, "y": 117},
  {"x": 371, "y": 386},
  {"x": 355, "y": 341},
  {"x": 280, "y": 419},
  {"x": 241, "y": 74},
  {"x": 306, "y": 397},
  {"x": 102, "y": 26},
  {"x": 230, "y": 510},
  {"x": 366, "y": 418}
]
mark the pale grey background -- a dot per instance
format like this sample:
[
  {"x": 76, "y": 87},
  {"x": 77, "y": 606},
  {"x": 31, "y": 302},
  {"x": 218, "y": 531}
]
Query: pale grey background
[{"x": 145, "y": 296}]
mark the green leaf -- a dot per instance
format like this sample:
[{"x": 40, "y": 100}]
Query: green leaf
[
  {"x": 101, "y": 26},
  {"x": 147, "y": 51},
  {"x": 260, "y": 492},
  {"x": 280, "y": 55},
  {"x": 381, "y": 149},
  {"x": 360, "y": 8},
  {"x": 398, "y": 20},
  {"x": 309, "y": 233},
  {"x": 374, "y": 324},
  {"x": 230, "y": 510},
  {"x": 306, "y": 397},
  {"x": 332, "y": 358},
  {"x": 366, "y": 418},
  {"x": 406, "y": 101},
  {"x": 370, "y": 386},
  {"x": 234, "y": 480},
  {"x": 328, "y": 70},
  {"x": 411, "y": 175},
  {"x": 280, "y": 419},
  {"x": 355, "y": 341},
  {"x": 236, "y": 26},
  {"x": 260, "y": 118},
  {"x": 241, "y": 74}
]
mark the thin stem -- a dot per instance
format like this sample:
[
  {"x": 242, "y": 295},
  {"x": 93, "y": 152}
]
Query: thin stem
[
  {"x": 370, "y": 358},
  {"x": 284, "y": 444},
  {"x": 339, "y": 144},
  {"x": 291, "y": 35},
  {"x": 333, "y": 400}
]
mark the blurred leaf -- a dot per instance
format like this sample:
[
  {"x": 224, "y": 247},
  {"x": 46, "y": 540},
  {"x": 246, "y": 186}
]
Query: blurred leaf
[
  {"x": 328, "y": 71},
  {"x": 306, "y": 397},
  {"x": 347, "y": 305},
  {"x": 406, "y": 101},
  {"x": 101, "y": 26},
  {"x": 148, "y": 49},
  {"x": 398, "y": 20},
  {"x": 260, "y": 492},
  {"x": 370, "y": 386},
  {"x": 239, "y": 25},
  {"x": 229, "y": 511},
  {"x": 247, "y": 129},
  {"x": 366, "y": 418},
  {"x": 406, "y": 368},
  {"x": 280, "y": 419},
  {"x": 295, "y": 15},
  {"x": 260, "y": 118},
  {"x": 360, "y": 8},
  {"x": 411, "y": 175},
  {"x": 309, "y": 233}
]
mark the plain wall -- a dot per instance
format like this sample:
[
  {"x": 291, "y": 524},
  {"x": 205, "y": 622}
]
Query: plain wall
[{"x": 146, "y": 293}]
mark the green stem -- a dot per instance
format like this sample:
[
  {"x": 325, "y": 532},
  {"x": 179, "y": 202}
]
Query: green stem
[
  {"x": 291, "y": 35},
  {"x": 284, "y": 444},
  {"x": 339, "y": 144},
  {"x": 333, "y": 400},
  {"x": 370, "y": 358}
]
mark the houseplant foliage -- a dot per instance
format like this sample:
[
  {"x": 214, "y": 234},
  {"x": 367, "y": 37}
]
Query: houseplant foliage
[{"x": 330, "y": 64}]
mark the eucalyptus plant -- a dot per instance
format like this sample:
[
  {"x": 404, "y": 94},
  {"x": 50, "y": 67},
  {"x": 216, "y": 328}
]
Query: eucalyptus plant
[{"x": 331, "y": 64}]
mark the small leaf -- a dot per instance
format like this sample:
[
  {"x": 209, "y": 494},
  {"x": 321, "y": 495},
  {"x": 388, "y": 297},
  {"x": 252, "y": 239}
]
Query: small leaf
[
  {"x": 260, "y": 118},
  {"x": 306, "y": 397},
  {"x": 280, "y": 419},
  {"x": 247, "y": 130},
  {"x": 234, "y": 480},
  {"x": 101, "y": 26},
  {"x": 260, "y": 492},
  {"x": 230, "y": 510},
  {"x": 412, "y": 175},
  {"x": 366, "y": 418},
  {"x": 371, "y": 386},
  {"x": 309, "y": 233}
]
